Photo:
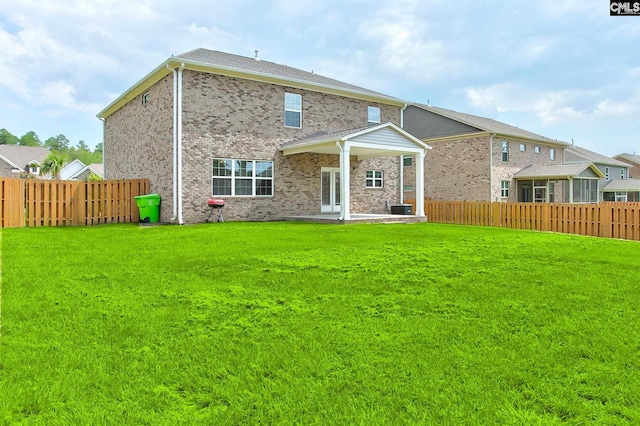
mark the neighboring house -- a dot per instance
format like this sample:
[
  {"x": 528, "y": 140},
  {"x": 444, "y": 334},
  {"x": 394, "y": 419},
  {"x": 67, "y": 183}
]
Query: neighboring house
[
  {"x": 77, "y": 170},
  {"x": 479, "y": 159},
  {"x": 633, "y": 160},
  {"x": 21, "y": 161},
  {"x": 611, "y": 169},
  {"x": 271, "y": 140}
]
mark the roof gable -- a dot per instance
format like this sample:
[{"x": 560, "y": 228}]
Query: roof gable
[
  {"x": 380, "y": 140},
  {"x": 221, "y": 63}
]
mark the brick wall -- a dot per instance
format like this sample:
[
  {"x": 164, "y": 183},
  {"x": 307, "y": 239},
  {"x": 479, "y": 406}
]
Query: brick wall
[
  {"x": 458, "y": 170},
  {"x": 226, "y": 117},
  {"x": 5, "y": 170},
  {"x": 518, "y": 160},
  {"x": 139, "y": 142}
]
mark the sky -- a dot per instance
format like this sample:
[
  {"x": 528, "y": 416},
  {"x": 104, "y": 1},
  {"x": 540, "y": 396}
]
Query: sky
[{"x": 564, "y": 69}]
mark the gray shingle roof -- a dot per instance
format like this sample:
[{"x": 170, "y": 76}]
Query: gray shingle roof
[
  {"x": 632, "y": 158},
  {"x": 585, "y": 154},
  {"x": 21, "y": 156},
  {"x": 555, "y": 171},
  {"x": 251, "y": 65},
  {"x": 488, "y": 124},
  {"x": 622, "y": 185}
]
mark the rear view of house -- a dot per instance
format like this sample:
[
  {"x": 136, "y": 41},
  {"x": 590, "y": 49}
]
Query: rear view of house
[{"x": 271, "y": 140}]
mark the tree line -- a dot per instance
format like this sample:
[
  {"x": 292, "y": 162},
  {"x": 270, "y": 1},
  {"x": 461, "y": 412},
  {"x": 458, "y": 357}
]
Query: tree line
[{"x": 56, "y": 144}]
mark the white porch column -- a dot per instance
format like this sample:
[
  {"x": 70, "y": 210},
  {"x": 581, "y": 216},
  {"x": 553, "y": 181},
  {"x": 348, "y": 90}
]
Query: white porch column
[
  {"x": 345, "y": 181},
  {"x": 420, "y": 184}
]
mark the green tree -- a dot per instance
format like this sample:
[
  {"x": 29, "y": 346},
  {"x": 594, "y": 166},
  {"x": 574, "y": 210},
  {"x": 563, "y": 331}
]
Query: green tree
[
  {"x": 98, "y": 148},
  {"x": 59, "y": 143},
  {"x": 52, "y": 165},
  {"x": 6, "y": 138},
  {"x": 30, "y": 139}
]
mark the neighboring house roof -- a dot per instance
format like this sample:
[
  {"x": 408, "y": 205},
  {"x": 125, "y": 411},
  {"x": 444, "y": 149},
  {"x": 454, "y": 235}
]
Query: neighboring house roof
[
  {"x": 19, "y": 157},
  {"x": 559, "y": 171},
  {"x": 489, "y": 125},
  {"x": 631, "y": 158},
  {"x": 622, "y": 185},
  {"x": 76, "y": 168},
  {"x": 577, "y": 154},
  {"x": 70, "y": 170},
  {"x": 211, "y": 61},
  {"x": 367, "y": 142},
  {"x": 97, "y": 168}
]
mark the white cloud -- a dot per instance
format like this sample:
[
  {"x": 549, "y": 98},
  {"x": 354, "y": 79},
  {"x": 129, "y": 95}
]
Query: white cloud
[{"x": 620, "y": 99}]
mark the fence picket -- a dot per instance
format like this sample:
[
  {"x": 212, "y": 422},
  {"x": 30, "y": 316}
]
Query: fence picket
[
  {"x": 36, "y": 202},
  {"x": 609, "y": 220}
]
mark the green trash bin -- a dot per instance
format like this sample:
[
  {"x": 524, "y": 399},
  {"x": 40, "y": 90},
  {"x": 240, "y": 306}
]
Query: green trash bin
[{"x": 149, "y": 207}]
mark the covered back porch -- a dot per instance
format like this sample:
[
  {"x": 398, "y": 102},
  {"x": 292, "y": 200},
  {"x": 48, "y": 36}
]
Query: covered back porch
[{"x": 353, "y": 146}]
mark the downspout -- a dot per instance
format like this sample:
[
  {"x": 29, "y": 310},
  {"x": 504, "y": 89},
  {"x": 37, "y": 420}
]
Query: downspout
[
  {"x": 179, "y": 143},
  {"x": 104, "y": 170},
  {"x": 175, "y": 144},
  {"x": 491, "y": 167},
  {"x": 402, "y": 156},
  {"x": 341, "y": 217}
]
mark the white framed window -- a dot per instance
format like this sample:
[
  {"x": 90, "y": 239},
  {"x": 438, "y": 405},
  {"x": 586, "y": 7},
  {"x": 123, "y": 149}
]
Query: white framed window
[
  {"x": 622, "y": 175},
  {"x": 34, "y": 169},
  {"x": 407, "y": 160},
  {"x": 523, "y": 147},
  {"x": 145, "y": 98},
  {"x": 242, "y": 178},
  {"x": 293, "y": 110},
  {"x": 374, "y": 179},
  {"x": 505, "y": 151},
  {"x": 552, "y": 153},
  {"x": 606, "y": 173},
  {"x": 504, "y": 189},
  {"x": 373, "y": 115},
  {"x": 536, "y": 149}
]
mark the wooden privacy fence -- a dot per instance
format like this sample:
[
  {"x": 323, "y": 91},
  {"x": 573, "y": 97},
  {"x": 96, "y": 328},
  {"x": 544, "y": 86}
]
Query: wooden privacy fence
[
  {"x": 611, "y": 220},
  {"x": 36, "y": 202}
]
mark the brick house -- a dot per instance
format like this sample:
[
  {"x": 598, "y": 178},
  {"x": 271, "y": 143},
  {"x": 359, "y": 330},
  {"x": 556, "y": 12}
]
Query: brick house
[
  {"x": 271, "y": 140},
  {"x": 633, "y": 160},
  {"x": 479, "y": 159},
  {"x": 22, "y": 161}
]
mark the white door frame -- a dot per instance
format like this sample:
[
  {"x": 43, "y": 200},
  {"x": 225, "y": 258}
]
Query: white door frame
[{"x": 333, "y": 205}]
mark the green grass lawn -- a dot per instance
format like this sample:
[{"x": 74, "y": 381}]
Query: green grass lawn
[{"x": 282, "y": 323}]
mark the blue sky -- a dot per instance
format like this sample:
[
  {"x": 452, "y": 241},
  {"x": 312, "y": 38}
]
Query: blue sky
[{"x": 563, "y": 69}]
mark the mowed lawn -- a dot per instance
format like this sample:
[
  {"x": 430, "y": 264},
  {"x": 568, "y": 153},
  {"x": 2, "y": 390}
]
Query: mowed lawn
[{"x": 289, "y": 323}]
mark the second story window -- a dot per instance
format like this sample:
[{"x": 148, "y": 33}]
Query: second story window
[
  {"x": 552, "y": 153},
  {"x": 606, "y": 173},
  {"x": 622, "y": 175},
  {"x": 145, "y": 98},
  {"x": 293, "y": 110},
  {"x": 373, "y": 115},
  {"x": 505, "y": 151}
]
